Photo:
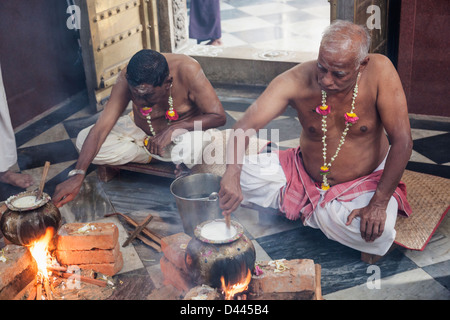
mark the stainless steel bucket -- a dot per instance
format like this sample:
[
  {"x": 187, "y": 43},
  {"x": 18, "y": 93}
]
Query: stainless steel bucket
[{"x": 197, "y": 199}]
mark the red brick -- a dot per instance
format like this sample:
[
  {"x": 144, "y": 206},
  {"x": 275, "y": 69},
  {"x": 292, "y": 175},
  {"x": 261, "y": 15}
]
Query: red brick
[
  {"x": 108, "y": 269},
  {"x": 174, "y": 249},
  {"x": 17, "y": 271},
  {"x": 297, "y": 281},
  {"x": 71, "y": 237},
  {"x": 175, "y": 276},
  {"x": 68, "y": 257}
]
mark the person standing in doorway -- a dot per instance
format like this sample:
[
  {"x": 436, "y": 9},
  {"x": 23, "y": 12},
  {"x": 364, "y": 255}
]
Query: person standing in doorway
[{"x": 204, "y": 22}]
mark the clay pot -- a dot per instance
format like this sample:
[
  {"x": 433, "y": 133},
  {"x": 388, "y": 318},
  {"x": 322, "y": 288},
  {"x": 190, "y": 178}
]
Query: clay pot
[
  {"x": 26, "y": 221},
  {"x": 208, "y": 260}
]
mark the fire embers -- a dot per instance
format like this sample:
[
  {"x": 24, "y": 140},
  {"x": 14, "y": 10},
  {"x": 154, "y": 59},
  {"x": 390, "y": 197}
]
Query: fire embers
[
  {"x": 55, "y": 282},
  {"x": 231, "y": 288}
]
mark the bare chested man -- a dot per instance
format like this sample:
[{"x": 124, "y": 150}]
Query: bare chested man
[
  {"x": 331, "y": 157},
  {"x": 169, "y": 92}
]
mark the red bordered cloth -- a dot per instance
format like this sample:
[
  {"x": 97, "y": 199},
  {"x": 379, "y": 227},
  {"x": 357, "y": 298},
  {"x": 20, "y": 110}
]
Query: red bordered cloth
[{"x": 300, "y": 196}]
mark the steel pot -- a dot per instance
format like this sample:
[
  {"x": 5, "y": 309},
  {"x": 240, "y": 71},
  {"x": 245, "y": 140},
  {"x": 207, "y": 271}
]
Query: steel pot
[
  {"x": 26, "y": 220},
  {"x": 197, "y": 200}
]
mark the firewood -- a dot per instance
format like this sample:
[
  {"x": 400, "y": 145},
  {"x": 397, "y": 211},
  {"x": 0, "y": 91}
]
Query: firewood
[{"x": 130, "y": 221}]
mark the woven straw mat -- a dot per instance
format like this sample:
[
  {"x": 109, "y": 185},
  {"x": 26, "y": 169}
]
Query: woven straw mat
[{"x": 429, "y": 198}]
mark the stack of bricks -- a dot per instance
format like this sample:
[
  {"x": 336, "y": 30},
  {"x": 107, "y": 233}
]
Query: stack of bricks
[
  {"x": 92, "y": 246},
  {"x": 173, "y": 265}
]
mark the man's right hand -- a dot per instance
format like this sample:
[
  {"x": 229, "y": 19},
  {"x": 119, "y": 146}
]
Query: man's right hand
[
  {"x": 230, "y": 193},
  {"x": 67, "y": 191}
]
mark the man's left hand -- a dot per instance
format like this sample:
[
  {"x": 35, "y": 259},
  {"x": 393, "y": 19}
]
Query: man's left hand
[
  {"x": 157, "y": 144},
  {"x": 372, "y": 221}
]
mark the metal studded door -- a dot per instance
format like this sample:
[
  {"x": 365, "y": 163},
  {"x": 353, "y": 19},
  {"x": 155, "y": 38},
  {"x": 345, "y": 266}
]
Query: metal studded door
[
  {"x": 371, "y": 13},
  {"x": 111, "y": 32}
]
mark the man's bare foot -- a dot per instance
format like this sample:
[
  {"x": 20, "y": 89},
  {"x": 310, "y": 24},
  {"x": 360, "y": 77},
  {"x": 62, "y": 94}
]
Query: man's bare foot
[
  {"x": 215, "y": 42},
  {"x": 16, "y": 179}
]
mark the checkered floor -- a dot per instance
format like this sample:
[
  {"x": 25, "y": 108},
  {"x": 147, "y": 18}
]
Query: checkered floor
[
  {"x": 405, "y": 274},
  {"x": 263, "y": 24},
  {"x": 290, "y": 25}
]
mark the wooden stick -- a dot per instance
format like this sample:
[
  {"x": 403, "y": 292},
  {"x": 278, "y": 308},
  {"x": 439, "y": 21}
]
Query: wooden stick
[
  {"x": 148, "y": 242},
  {"x": 39, "y": 291},
  {"x": 44, "y": 177},
  {"x": 228, "y": 220},
  {"x": 32, "y": 295},
  {"x": 63, "y": 272},
  {"x": 48, "y": 292},
  {"x": 145, "y": 231},
  {"x": 57, "y": 268},
  {"x": 318, "y": 289},
  {"x": 138, "y": 230},
  {"x": 97, "y": 282}
]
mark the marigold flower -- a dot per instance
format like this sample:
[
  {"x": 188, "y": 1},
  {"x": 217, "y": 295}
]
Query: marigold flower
[
  {"x": 351, "y": 117},
  {"x": 323, "y": 110},
  {"x": 146, "y": 110},
  {"x": 324, "y": 170},
  {"x": 171, "y": 115}
]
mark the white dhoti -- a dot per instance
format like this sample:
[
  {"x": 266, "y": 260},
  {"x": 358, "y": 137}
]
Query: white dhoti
[
  {"x": 8, "y": 141},
  {"x": 261, "y": 179},
  {"x": 125, "y": 144}
]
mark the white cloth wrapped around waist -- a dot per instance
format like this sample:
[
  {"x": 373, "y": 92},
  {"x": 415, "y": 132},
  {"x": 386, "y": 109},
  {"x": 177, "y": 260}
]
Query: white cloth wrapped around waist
[{"x": 125, "y": 144}]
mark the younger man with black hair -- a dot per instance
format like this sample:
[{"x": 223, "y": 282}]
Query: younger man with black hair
[{"x": 169, "y": 92}]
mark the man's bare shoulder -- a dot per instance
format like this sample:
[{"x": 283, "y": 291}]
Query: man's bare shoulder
[
  {"x": 380, "y": 63},
  {"x": 182, "y": 64},
  {"x": 300, "y": 76}
]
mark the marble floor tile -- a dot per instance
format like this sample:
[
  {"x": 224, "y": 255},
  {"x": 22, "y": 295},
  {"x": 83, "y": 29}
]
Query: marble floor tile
[
  {"x": 230, "y": 40},
  {"x": 54, "y": 134},
  {"x": 54, "y": 152},
  {"x": 437, "y": 249},
  {"x": 410, "y": 285},
  {"x": 267, "y": 8},
  {"x": 264, "y": 34},
  {"x": 417, "y": 157},
  {"x": 231, "y": 13},
  {"x": 53, "y": 171},
  {"x": 440, "y": 272},
  {"x": 320, "y": 9},
  {"x": 436, "y": 148},
  {"x": 262, "y": 224},
  {"x": 243, "y": 24},
  {"x": 421, "y": 133},
  {"x": 131, "y": 259}
]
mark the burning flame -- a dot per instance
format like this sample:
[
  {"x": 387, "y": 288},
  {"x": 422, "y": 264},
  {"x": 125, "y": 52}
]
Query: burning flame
[
  {"x": 231, "y": 290},
  {"x": 40, "y": 253}
]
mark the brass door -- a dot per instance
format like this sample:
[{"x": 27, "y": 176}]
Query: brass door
[
  {"x": 111, "y": 32},
  {"x": 370, "y": 13}
]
